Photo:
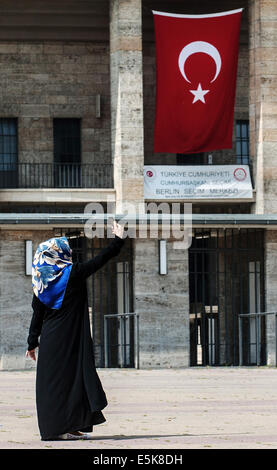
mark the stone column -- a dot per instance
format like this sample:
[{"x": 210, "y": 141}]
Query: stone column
[
  {"x": 162, "y": 302},
  {"x": 126, "y": 102},
  {"x": 263, "y": 102},
  {"x": 263, "y": 138},
  {"x": 271, "y": 293}
]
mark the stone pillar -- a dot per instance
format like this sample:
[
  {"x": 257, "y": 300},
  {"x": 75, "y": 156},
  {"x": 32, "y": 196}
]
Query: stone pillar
[
  {"x": 126, "y": 101},
  {"x": 162, "y": 302},
  {"x": 263, "y": 102},
  {"x": 263, "y": 138},
  {"x": 271, "y": 293}
]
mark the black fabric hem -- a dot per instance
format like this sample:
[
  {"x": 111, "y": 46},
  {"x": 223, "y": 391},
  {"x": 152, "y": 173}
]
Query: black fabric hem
[{"x": 82, "y": 428}]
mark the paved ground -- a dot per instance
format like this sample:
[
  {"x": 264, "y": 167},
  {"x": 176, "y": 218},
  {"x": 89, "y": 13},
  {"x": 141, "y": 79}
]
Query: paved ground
[{"x": 193, "y": 408}]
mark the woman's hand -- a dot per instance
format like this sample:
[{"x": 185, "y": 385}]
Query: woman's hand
[
  {"x": 31, "y": 354},
  {"x": 117, "y": 229}
]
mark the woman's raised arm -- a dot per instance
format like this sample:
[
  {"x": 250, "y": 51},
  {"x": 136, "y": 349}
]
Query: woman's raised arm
[{"x": 85, "y": 269}]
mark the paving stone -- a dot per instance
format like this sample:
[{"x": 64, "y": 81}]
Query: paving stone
[{"x": 194, "y": 408}]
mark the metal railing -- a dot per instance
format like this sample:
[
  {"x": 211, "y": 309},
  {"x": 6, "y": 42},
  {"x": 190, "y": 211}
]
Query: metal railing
[
  {"x": 56, "y": 175},
  {"x": 258, "y": 340},
  {"x": 123, "y": 341}
]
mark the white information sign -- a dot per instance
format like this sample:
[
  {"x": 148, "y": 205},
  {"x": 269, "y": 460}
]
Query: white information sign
[{"x": 197, "y": 182}]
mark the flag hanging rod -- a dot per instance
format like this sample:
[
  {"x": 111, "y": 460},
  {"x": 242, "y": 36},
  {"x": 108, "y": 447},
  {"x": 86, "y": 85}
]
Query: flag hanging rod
[{"x": 208, "y": 15}]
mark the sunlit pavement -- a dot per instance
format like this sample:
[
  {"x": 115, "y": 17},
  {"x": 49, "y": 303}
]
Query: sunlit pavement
[{"x": 195, "y": 408}]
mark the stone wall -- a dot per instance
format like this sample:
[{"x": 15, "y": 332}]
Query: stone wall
[
  {"x": 263, "y": 102},
  {"x": 41, "y": 81},
  {"x": 162, "y": 302},
  {"x": 271, "y": 293},
  {"x": 263, "y": 138},
  {"x": 126, "y": 101},
  {"x": 16, "y": 297}
]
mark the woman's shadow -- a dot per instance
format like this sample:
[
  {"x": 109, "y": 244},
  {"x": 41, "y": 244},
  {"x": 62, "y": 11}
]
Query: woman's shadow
[{"x": 138, "y": 436}]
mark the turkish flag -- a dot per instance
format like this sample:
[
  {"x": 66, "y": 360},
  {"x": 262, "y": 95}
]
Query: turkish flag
[{"x": 196, "y": 69}]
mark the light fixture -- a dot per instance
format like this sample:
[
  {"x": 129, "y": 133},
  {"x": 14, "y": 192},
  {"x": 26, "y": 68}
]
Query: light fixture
[
  {"x": 28, "y": 257},
  {"x": 98, "y": 106},
  {"x": 162, "y": 257}
]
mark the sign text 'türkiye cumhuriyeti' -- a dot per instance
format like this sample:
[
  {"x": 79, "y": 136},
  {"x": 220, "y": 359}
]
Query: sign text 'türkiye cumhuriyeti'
[{"x": 197, "y": 182}]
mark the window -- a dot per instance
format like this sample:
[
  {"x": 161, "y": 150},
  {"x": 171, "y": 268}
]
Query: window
[
  {"x": 67, "y": 140},
  {"x": 191, "y": 159},
  {"x": 8, "y": 152},
  {"x": 242, "y": 142},
  {"x": 67, "y": 152}
]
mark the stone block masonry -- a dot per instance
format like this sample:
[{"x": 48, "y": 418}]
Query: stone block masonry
[
  {"x": 126, "y": 101},
  {"x": 263, "y": 102},
  {"x": 162, "y": 303},
  {"x": 16, "y": 296},
  {"x": 42, "y": 81}
]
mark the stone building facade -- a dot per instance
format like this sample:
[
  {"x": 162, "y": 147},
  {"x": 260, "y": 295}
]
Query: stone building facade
[{"x": 93, "y": 62}]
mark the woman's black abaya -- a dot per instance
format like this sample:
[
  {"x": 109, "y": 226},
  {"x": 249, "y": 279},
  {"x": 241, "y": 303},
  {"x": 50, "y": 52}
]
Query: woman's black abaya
[{"x": 69, "y": 394}]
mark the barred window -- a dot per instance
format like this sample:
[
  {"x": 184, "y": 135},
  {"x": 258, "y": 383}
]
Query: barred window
[
  {"x": 8, "y": 144},
  {"x": 8, "y": 153},
  {"x": 242, "y": 142}
]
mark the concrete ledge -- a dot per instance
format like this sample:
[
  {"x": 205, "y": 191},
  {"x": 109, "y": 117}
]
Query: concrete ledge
[
  {"x": 57, "y": 195},
  {"x": 11, "y": 220}
]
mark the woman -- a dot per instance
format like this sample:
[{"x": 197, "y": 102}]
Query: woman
[{"x": 69, "y": 394}]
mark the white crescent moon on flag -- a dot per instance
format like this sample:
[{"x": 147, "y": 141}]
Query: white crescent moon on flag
[{"x": 193, "y": 48}]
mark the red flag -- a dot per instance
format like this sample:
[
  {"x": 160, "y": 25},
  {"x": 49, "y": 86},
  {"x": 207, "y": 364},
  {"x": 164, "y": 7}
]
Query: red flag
[{"x": 196, "y": 69}]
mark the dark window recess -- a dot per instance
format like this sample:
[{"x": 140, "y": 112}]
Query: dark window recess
[
  {"x": 67, "y": 152},
  {"x": 242, "y": 142},
  {"x": 67, "y": 140},
  {"x": 8, "y": 153},
  {"x": 226, "y": 279},
  {"x": 191, "y": 159}
]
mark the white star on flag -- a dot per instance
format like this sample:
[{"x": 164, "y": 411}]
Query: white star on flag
[{"x": 199, "y": 94}]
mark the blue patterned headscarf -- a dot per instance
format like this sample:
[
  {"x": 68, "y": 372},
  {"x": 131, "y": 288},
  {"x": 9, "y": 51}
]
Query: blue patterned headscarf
[{"x": 50, "y": 271}]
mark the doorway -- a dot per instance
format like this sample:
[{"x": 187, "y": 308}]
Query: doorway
[
  {"x": 110, "y": 295},
  {"x": 110, "y": 301},
  {"x": 226, "y": 278}
]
